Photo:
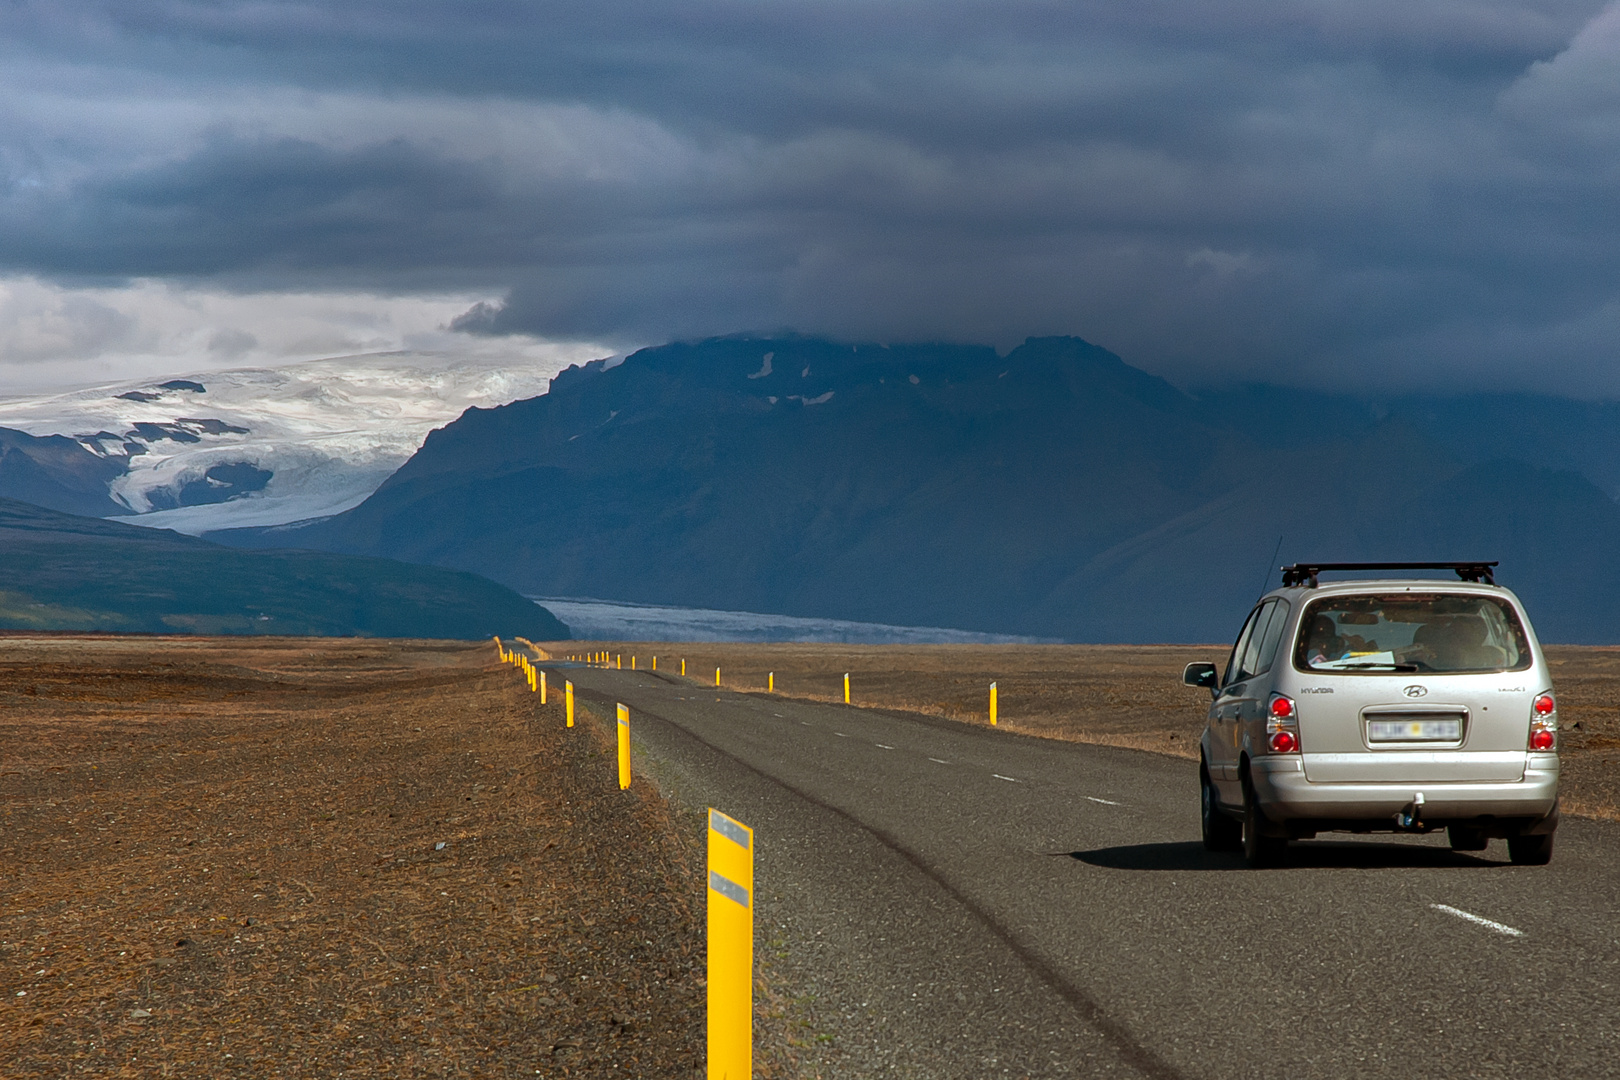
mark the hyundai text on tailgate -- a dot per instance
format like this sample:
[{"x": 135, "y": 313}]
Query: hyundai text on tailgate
[{"x": 1393, "y": 705}]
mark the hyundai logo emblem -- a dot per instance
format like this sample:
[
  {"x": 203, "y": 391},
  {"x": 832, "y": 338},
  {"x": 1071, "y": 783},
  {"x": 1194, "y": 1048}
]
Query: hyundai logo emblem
[{"x": 1415, "y": 691}]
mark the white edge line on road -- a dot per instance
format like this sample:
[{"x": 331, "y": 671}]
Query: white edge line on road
[
  {"x": 1105, "y": 802},
  {"x": 1479, "y": 920},
  {"x": 938, "y": 761},
  {"x": 840, "y": 734},
  {"x": 880, "y": 746},
  {"x": 1014, "y": 779}
]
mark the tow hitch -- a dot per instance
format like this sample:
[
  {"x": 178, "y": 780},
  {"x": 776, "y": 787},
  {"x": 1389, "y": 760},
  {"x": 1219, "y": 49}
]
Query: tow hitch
[{"x": 1410, "y": 817}]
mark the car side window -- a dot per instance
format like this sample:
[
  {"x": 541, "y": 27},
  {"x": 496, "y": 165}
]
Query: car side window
[
  {"x": 1234, "y": 665},
  {"x": 1272, "y": 638},
  {"x": 1249, "y": 665}
]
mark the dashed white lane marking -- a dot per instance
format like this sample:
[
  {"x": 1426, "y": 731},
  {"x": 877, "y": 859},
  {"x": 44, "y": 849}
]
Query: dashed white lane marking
[
  {"x": 880, "y": 746},
  {"x": 1479, "y": 920},
  {"x": 840, "y": 734},
  {"x": 1013, "y": 779},
  {"x": 1105, "y": 802},
  {"x": 938, "y": 761},
  {"x": 804, "y": 723}
]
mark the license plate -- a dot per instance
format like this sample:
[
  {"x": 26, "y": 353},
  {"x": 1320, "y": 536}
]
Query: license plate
[{"x": 1414, "y": 730}]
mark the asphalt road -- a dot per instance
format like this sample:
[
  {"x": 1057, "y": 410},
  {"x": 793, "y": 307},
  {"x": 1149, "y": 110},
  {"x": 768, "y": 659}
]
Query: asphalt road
[{"x": 954, "y": 901}]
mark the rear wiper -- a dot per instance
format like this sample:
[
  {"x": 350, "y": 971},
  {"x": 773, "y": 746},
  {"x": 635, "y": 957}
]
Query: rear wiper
[{"x": 1375, "y": 667}]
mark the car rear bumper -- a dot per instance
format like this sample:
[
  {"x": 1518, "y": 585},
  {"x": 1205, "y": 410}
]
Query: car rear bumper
[{"x": 1287, "y": 796}]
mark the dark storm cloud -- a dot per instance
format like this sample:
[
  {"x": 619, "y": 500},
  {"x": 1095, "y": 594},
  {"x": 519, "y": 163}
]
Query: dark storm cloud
[{"x": 1304, "y": 190}]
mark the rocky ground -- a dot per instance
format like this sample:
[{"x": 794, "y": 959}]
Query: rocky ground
[{"x": 295, "y": 857}]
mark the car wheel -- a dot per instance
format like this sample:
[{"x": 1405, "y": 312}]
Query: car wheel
[
  {"x": 1221, "y": 832},
  {"x": 1530, "y": 850},
  {"x": 1259, "y": 849},
  {"x": 1464, "y": 838}
]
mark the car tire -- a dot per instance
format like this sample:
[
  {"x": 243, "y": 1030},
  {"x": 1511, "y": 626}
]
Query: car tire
[
  {"x": 1221, "y": 831},
  {"x": 1464, "y": 838},
  {"x": 1259, "y": 850},
  {"x": 1531, "y": 850}
]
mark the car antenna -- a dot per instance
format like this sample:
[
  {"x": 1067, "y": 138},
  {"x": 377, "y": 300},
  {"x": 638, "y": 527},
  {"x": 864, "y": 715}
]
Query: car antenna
[{"x": 1272, "y": 562}]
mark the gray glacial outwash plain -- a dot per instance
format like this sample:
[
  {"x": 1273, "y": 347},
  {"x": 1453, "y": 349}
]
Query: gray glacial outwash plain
[
  {"x": 621, "y": 621},
  {"x": 942, "y": 900}
]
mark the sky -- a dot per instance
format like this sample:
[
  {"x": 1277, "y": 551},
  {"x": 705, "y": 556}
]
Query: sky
[{"x": 1355, "y": 194}]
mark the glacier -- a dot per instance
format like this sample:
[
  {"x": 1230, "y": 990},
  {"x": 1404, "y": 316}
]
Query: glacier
[
  {"x": 616, "y": 620},
  {"x": 273, "y": 445}
]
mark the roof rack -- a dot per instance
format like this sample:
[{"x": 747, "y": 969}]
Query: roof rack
[{"x": 1305, "y": 573}]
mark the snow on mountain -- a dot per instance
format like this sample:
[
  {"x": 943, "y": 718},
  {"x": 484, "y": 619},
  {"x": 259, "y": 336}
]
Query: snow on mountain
[{"x": 266, "y": 446}]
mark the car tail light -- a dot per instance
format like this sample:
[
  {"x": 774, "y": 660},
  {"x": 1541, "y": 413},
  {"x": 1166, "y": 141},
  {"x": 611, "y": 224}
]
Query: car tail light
[
  {"x": 1544, "y": 723},
  {"x": 1282, "y": 725},
  {"x": 1284, "y": 742}
]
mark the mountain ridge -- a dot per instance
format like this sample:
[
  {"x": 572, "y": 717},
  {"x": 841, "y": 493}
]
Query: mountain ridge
[{"x": 1055, "y": 491}]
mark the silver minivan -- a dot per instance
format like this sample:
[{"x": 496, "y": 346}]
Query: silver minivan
[{"x": 1391, "y": 705}]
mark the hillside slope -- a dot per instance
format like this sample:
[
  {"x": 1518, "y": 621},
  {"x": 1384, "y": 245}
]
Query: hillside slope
[
  {"x": 1056, "y": 491},
  {"x": 60, "y": 572},
  {"x": 57, "y": 472}
]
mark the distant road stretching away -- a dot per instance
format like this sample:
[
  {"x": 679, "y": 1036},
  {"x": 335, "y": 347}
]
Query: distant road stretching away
[{"x": 963, "y": 902}]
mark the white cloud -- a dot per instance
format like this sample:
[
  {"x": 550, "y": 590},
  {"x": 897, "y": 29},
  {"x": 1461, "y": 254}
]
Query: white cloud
[{"x": 54, "y": 336}]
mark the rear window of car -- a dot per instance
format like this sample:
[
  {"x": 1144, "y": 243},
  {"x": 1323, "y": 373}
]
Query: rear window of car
[{"x": 1439, "y": 633}]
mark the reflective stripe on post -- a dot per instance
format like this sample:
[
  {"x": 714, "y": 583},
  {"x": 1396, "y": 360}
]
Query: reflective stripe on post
[
  {"x": 624, "y": 747},
  {"x": 731, "y": 948}
]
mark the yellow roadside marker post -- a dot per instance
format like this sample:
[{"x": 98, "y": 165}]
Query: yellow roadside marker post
[
  {"x": 731, "y": 948},
  {"x": 846, "y": 688},
  {"x": 683, "y": 667},
  {"x": 568, "y": 699},
  {"x": 620, "y": 658},
  {"x": 717, "y": 676},
  {"x": 632, "y": 662},
  {"x": 992, "y": 704},
  {"x": 770, "y": 683},
  {"x": 655, "y": 663},
  {"x": 624, "y": 747},
  {"x": 542, "y": 688}
]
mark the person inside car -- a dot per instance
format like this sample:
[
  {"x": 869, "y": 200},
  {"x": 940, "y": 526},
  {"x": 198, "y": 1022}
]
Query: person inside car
[{"x": 1324, "y": 643}]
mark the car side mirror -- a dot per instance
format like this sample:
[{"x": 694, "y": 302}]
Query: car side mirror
[{"x": 1201, "y": 674}]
